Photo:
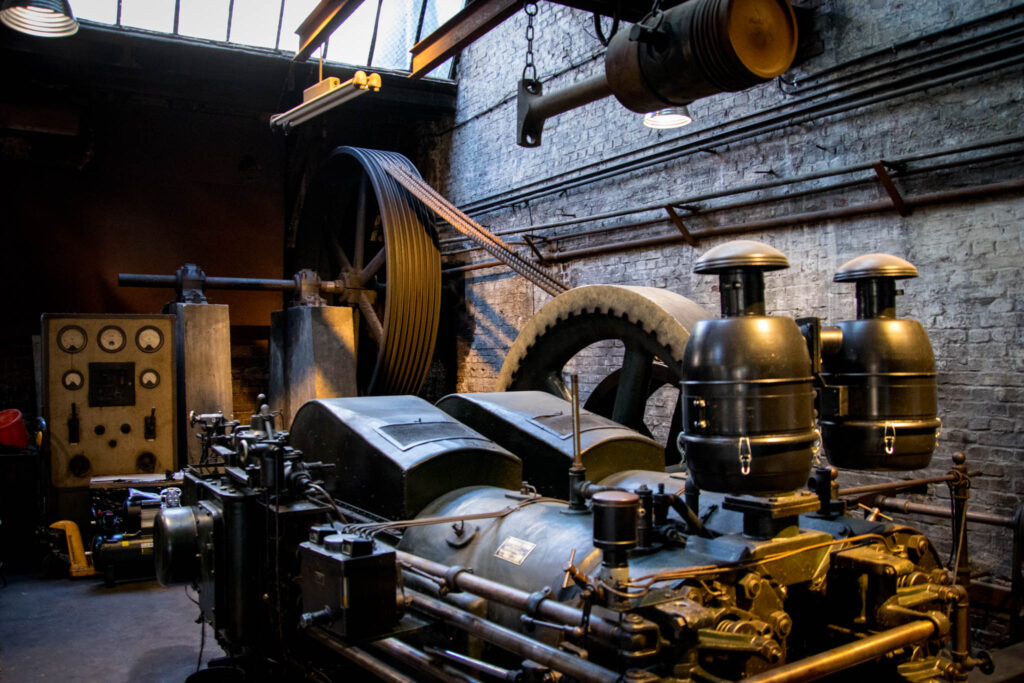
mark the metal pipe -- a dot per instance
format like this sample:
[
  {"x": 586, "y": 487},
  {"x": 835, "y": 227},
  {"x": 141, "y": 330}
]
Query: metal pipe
[
  {"x": 580, "y": 669},
  {"x": 549, "y": 609},
  {"x": 576, "y": 95},
  {"x": 783, "y": 182},
  {"x": 360, "y": 657},
  {"x": 246, "y": 283},
  {"x": 534, "y": 107},
  {"x": 908, "y": 507},
  {"x": 809, "y": 217},
  {"x": 478, "y": 665},
  {"x": 845, "y": 656},
  {"x": 419, "y": 660},
  {"x": 907, "y": 85},
  {"x": 894, "y": 485}
]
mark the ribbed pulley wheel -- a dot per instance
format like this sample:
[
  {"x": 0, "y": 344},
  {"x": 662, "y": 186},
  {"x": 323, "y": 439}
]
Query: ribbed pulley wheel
[
  {"x": 360, "y": 226},
  {"x": 653, "y": 325}
]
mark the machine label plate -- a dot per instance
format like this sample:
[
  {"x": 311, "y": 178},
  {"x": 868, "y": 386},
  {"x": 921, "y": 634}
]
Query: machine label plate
[{"x": 514, "y": 550}]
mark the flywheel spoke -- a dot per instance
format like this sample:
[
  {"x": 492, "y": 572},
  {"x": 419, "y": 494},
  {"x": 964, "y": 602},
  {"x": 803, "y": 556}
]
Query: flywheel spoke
[
  {"x": 372, "y": 267},
  {"x": 339, "y": 253},
  {"x": 373, "y": 324},
  {"x": 634, "y": 387}
]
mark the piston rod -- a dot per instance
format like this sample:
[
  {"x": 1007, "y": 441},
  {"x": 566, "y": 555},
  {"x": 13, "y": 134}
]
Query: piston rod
[{"x": 845, "y": 656}]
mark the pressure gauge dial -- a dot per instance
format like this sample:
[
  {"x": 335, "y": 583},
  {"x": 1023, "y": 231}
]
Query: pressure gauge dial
[
  {"x": 149, "y": 379},
  {"x": 149, "y": 339},
  {"x": 72, "y": 380},
  {"x": 72, "y": 339},
  {"x": 112, "y": 339}
]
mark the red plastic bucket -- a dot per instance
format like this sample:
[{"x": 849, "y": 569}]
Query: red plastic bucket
[{"x": 12, "y": 429}]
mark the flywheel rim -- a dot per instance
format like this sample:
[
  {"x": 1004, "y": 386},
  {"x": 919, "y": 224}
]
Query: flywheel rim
[
  {"x": 654, "y": 324},
  {"x": 408, "y": 277}
]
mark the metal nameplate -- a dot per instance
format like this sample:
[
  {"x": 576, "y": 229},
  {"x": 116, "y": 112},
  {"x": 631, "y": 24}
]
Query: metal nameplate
[{"x": 514, "y": 550}]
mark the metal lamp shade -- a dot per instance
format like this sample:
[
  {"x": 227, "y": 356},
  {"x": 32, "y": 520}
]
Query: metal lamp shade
[{"x": 43, "y": 18}]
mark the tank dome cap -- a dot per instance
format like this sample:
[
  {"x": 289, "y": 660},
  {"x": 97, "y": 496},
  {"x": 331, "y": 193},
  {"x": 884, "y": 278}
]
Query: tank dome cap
[
  {"x": 741, "y": 254},
  {"x": 875, "y": 266}
]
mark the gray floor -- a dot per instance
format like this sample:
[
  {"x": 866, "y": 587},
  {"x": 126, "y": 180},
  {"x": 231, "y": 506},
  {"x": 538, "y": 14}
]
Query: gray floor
[{"x": 77, "y": 630}]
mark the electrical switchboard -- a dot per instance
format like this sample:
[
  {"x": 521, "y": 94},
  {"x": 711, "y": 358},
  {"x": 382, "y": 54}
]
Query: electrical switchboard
[{"x": 109, "y": 395}]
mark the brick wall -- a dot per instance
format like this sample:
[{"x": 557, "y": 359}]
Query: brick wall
[{"x": 968, "y": 252}]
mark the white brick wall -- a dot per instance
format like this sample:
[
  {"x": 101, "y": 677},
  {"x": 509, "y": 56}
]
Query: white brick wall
[{"x": 969, "y": 254}]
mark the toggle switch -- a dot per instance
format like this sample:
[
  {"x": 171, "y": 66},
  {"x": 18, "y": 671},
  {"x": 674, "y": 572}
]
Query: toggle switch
[
  {"x": 149, "y": 425},
  {"x": 73, "y": 424}
]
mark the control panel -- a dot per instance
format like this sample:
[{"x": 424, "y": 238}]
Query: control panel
[{"x": 109, "y": 396}]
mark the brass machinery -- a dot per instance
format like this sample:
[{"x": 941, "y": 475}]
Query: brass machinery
[{"x": 401, "y": 536}]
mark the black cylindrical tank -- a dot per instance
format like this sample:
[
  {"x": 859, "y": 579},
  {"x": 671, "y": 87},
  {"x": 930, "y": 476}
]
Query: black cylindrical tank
[
  {"x": 748, "y": 397},
  {"x": 887, "y": 369}
]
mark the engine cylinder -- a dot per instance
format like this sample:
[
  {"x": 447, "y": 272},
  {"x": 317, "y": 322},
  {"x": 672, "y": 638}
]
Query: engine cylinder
[
  {"x": 615, "y": 519},
  {"x": 886, "y": 367},
  {"x": 748, "y": 397}
]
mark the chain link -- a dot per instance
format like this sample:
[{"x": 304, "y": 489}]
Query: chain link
[{"x": 529, "y": 71}]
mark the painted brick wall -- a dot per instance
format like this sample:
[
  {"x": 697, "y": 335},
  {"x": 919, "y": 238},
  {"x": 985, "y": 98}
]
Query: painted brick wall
[{"x": 969, "y": 253}]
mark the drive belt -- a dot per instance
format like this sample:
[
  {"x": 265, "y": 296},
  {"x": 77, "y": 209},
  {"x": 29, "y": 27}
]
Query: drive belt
[{"x": 487, "y": 240}]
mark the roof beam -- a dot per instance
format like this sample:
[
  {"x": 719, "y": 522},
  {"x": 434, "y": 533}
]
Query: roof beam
[
  {"x": 473, "y": 21},
  {"x": 321, "y": 23}
]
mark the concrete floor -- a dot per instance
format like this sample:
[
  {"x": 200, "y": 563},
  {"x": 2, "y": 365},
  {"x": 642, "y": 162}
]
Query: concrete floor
[
  {"x": 64, "y": 630},
  {"x": 77, "y": 630}
]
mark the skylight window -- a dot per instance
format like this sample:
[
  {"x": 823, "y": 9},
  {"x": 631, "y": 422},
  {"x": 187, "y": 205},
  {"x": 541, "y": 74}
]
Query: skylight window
[{"x": 377, "y": 35}]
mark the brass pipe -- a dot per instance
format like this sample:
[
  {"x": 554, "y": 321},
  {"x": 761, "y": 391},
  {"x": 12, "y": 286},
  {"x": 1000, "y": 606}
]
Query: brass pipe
[{"x": 845, "y": 656}]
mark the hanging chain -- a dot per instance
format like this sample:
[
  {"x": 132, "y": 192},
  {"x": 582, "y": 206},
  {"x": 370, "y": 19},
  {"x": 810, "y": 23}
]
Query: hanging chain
[{"x": 529, "y": 71}]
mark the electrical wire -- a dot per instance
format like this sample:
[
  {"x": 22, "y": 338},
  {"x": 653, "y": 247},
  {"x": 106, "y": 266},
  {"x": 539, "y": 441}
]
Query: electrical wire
[
  {"x": 327, "y": 499},
  {"x": 202, "y": 642},
  {"x": 372, "y": 529}
]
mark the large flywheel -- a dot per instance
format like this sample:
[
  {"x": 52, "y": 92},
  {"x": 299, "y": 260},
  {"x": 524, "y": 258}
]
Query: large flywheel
[
  {"x": 653, "y": 326},
  {"x": 360, "y": 226}
]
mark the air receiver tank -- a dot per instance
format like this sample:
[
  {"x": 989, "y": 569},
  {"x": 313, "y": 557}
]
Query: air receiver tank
[
  {"x": 886, "y": 367},
  {"x": 747, "y": 396}
]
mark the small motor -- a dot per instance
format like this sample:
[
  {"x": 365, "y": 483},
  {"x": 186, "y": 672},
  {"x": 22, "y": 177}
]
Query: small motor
[
  {"x": 885, "y": 366},
  {"x": 748, "y": 394}
]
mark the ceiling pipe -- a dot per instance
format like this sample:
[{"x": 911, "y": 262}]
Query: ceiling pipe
[{"x": 671, "y": 58}]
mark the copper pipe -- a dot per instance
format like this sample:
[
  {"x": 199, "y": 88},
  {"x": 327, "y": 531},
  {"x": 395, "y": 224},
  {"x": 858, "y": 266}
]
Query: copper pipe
[
  {"x": 845, "y": 656},
  {"x": 963, "y": 194}
]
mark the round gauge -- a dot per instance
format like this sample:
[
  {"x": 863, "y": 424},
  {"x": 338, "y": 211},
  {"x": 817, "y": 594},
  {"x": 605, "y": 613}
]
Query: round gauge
[
  {"x": 72, "y": 380},
  {"x": 149, "y": 378},
  {"x": 71, "y": 339},
  {"x": 112, "y": 339},
  {"x": 149, "y": 339}
]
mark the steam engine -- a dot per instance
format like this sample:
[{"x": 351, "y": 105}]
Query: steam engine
[{"x": 515, "y": 536}]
